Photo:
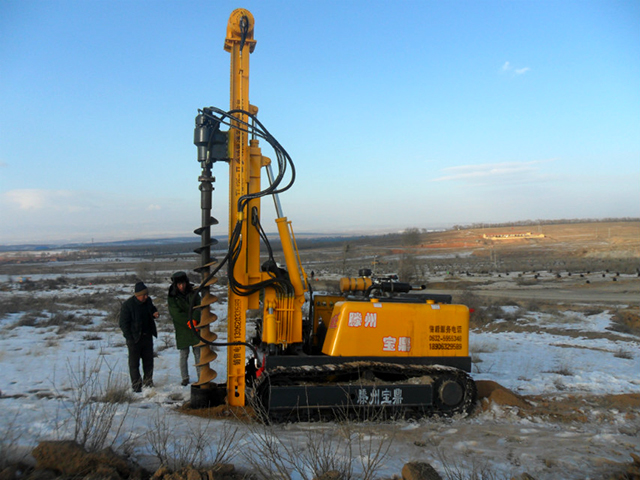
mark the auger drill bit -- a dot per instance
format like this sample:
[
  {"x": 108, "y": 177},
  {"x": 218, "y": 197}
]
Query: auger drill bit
[{"x": 206, "y": 131}]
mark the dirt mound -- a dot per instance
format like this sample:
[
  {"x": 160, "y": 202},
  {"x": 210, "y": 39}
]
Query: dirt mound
[
  {"x": 624, "y": 401},
  {"x": 219, "y": 472},
  {"x": 492, "y": 392},
  {"x": 243, "y": 414},
  {"x": 568, "y": 408},
  {"x": 69, "y": 458}
]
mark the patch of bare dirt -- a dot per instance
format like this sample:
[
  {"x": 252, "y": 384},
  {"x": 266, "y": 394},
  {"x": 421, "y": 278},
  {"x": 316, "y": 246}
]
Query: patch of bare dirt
[
  {"x": 628, "y": 320},
  {"x": 243, "y": 414},
  {"x": 69, "y": 458},
  {"x": 564, "y": 409}
]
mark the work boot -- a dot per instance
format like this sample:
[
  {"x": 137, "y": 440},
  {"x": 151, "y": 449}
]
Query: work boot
[
  {"x": 148, "y": 383},
  {"x": 185, "y": 382},
  {"x": 137, "y": 387}
]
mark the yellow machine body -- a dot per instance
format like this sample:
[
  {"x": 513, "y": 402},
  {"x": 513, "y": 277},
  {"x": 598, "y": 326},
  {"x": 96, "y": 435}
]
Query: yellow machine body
[{"x": 377, "y": 328}]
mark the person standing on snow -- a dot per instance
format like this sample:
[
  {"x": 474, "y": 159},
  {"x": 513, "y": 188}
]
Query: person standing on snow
[
  {"x": 179, "y": 298},
  {"x": 137, "y": 322}
]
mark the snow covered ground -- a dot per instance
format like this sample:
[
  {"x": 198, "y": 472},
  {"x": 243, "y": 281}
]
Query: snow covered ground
[{"x": 563, "y": 357}]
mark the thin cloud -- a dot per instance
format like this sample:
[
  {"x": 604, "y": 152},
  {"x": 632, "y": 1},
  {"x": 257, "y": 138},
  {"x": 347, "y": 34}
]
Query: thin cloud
[
  {"x": 508, "y": 68},
  {"x": 492, "y": 171},
  {"x": 26, "y": 199},
  {"x": 63, "y": 215}
]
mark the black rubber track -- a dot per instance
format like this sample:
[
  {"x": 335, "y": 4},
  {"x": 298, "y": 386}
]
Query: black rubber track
[{"x": 381, "y": 374}]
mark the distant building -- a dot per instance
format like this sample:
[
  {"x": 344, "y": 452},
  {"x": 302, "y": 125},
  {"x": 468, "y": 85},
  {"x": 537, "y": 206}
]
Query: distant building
[{"x": 512, "y": 236}]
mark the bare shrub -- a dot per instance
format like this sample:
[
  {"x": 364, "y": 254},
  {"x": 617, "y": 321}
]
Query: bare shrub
[
  {"x": 267, "y": 455},
  {"x": 626, "y": 321},
  {"x": 483, "y": 347},
  {"x": 370, "y": 448},
  {"x": 97, "y": 300},
  {"x": 467, "y": 467},
  {"x": 562, "y": 368},
  {"x": 411, "y": 236},
  {"x": 357, "y": 452},
  {"x": 202, "y": 445},
  {"x": 166, "y": 342},
  {"x": 623, "y": 353},
  {"x": 66, "y": 322},
  {"x": 11, "y": 304},
  {"x": 526, "y": 282},
  {"x": 326, "y": 452},
  {"x": 55, "y": 283},
  {"x": 533, "y": 305},
  {"x": 10, "y": 436},
  {"x": 28, "y": 286},
  {"x": 93, "y": 404},
  {"x": 29, "y": 319},
  {"x": 408, "y": 268},
  {"x": 481, "y": 314},
  {"x": 112, "y": 320},
  {"x": 118, "y": 392}
]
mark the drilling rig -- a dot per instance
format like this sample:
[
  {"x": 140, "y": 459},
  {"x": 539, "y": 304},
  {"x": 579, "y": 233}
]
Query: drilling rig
[{"x": 375, "y": 345}]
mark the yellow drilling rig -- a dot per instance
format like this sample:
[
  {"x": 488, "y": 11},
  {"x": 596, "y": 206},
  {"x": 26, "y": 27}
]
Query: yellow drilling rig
[{"x": 374, "y": 346}]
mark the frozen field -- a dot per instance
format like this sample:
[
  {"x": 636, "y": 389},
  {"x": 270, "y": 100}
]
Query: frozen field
[{"x": 577, "y": 370}]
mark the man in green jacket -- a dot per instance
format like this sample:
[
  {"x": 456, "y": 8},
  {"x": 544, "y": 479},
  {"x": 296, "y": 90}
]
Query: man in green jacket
[
  {"x": 180, "y": 295},
  {"x": 137, "y": 321}
]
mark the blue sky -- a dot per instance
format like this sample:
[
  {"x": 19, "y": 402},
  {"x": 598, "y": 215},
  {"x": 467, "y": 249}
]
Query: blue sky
[{"x": 396, "y": 113}]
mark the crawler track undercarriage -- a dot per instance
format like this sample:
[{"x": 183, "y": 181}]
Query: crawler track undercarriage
[{"x": 362, "y": 390}]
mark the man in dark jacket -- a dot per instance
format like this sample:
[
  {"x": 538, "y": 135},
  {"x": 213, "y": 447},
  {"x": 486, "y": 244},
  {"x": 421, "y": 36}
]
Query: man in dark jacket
[
  {"x": 137, "y": 321},
  {"x": 179, "y": 298}
]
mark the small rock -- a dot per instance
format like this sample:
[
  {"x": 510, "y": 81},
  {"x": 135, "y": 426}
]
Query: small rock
[
  {"x": 107, "y": 457},
  {"x": 222, "y": 471},
  {"x": 191, "y": 473},
  {"x": 419, "y": 471},
  {"x": 41, "y": 475},
  {"x": 331, "y": 475},
  {"x": 9, "y": 473},
  {"x": 523, "y": 476},
  {"x": 160, "y": 473},
  {"x": 103, "y": 472}
]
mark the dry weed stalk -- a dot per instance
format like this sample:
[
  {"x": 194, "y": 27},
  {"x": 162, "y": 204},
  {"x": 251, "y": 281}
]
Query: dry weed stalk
[
  {"x": 204, "y": 444},
  {"x": 355, "y": 451},
  {"x": 477, "y": 469},
  {"x": 94, "y": 404},
  {"x": 10, "y": 436}
]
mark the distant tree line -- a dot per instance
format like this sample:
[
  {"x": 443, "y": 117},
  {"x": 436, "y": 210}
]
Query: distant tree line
[{"x": 528, "y": 223}]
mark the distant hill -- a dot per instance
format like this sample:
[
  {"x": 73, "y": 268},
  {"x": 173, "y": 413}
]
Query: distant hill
[{"x": 305, "y": 239}]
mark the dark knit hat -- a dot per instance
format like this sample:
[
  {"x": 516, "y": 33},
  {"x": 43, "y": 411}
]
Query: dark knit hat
[
  {"x": 140, "y": 289},
  {"x": 179, "y": 277}
]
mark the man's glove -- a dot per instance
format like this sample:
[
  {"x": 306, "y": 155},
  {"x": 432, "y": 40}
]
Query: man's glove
[{"x": 192, "y": 325}]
